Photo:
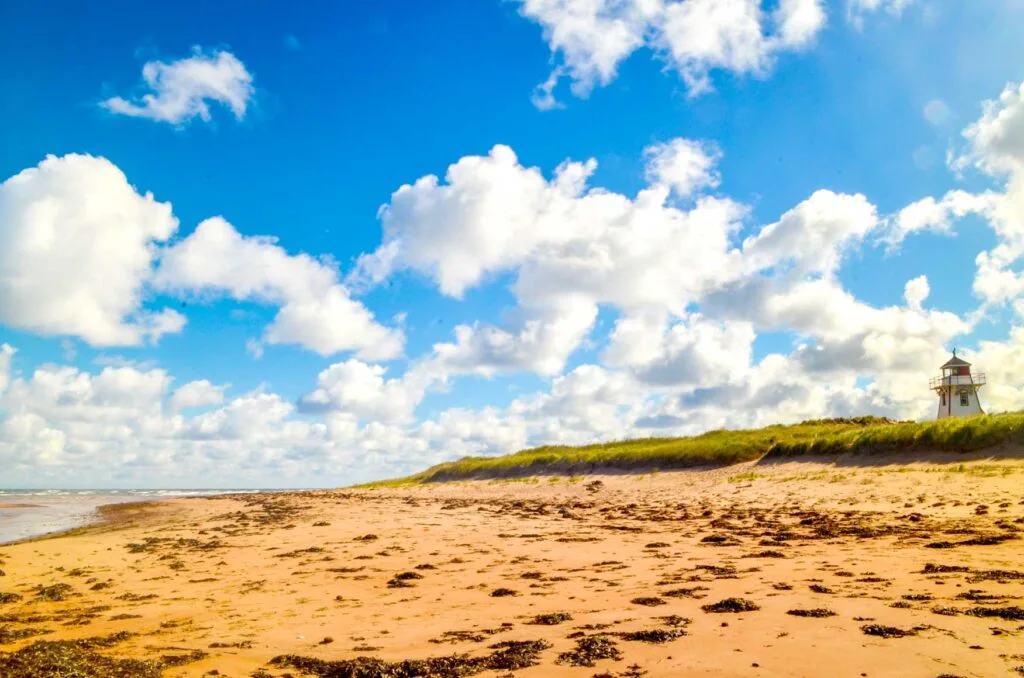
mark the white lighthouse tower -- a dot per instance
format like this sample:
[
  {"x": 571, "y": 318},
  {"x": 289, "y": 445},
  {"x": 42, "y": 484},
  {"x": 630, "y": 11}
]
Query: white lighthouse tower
[{"x": 957, "y": 389}]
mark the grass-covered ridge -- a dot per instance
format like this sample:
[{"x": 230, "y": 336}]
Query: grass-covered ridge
[{"x": 723, "y": 447}]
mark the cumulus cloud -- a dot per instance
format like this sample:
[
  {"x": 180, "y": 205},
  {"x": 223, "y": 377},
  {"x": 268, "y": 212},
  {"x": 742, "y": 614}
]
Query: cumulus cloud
[
  {"x": 916, "y": 291},
  {"x": 77, "y": 245},
  {"x": 199, "y": 393},
  {"x": 316, "y": 310},
  {"x": 997, "y": 138},
  {"x": 996, "y": 147},
  {"x": 494, "y": 215},
  {"x": 683, "y": 165},
  {"x": 543, "y": 343},
  {"x": 488, "y": 217},
  {"x": 844, "y": 333},
  {"x": 183, "y": 90},
  {"x": 361, "y": 390},
  {"x": 574, "y": 249},
  {"x": 1002, "y": 361},
  {"x": 126, "y": 427},
  {"x": 692, "y": 351},
  {"x": 813, "y": 235},
  {"x": 938, "y": 216},
  {"x": 591, "y": 38}
]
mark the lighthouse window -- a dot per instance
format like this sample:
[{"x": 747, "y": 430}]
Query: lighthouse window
[
  {"x": 942, "y": 397},
  {"x": 963, "y": 399}
]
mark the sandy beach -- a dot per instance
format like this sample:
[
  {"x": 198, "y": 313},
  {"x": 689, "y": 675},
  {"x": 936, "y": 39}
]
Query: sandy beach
[{"x": 771, "y": 569}]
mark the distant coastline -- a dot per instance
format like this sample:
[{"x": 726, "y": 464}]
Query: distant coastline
[{"x": 30, "y": 513}]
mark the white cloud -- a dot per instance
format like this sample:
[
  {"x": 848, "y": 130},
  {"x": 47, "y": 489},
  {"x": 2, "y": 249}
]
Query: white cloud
[
  {"x": 916, "y": 291},
  {"x": 997, "y": 138},
  {"x": 588, "y": 404},
  {"x": 359, "y": 389},
  {"x": 6, "y": 354},
  {"x": 254, "y": 348},
  {"x": 255, "y": 416},
  {"x": 692, "y": 351},
  {"x": 683, "y": 165},
  {"x": 316, "y": 310},
  {"x": 183, "y": 90},
  {"x": 199, "y": 393},
  {"x": 799, "y": 21},
  {"x": 122, "y": 427},
  {"x": 929, "y": 214},
  {"x": 735, "y": 35},
  {"x": 813, "y": 235},
  {"x": 842, "y": 333},
  {"x": 543, "y": 343},
  {"x": 1002, "y": 362},
  {"x": 996, "y": 147},
  {"x": 488, "y": 217},
  {"x": 77, "y": 244},
  {"x": 856, "y": 10},
  {"x": 543, "y": 96},
  {"x": 494, "y": 215},
  {"x": 574, "y": 249},
  {"x": 90, "y": 406},
  {"x": 591, "y": 38}
]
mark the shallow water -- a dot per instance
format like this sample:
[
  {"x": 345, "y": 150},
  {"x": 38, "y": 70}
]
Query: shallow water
[{"x": 30, "y": 513}]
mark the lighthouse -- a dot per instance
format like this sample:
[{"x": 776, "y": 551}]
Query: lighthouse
[{"x": 957, "y": 389}]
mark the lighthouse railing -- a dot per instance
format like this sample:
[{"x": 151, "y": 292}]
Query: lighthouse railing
[{"x": 957, "y": 380}]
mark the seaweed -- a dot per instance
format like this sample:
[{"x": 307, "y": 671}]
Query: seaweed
[
  {"x": 887, "y": 631},
  {"x": 732, "y": 605},
  {"x": 590, "y": 649},
  {"x": 813, "y": 612}
]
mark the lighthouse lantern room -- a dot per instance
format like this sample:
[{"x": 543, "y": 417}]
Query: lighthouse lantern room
[{"x": 957, "y": 389}]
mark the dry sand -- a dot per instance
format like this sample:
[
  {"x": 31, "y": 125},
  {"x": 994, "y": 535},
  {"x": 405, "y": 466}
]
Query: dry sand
[{"x": 929, "y": 549}]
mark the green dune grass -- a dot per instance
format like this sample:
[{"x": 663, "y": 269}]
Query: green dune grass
[{"x": 858, "y": 435}]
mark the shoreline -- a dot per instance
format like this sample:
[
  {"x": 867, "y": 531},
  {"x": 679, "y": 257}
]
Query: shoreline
[
  {"x": 693, "y": 573},
  {"x": 105, "y": 516},
  {"x": 35, "y": 514}
]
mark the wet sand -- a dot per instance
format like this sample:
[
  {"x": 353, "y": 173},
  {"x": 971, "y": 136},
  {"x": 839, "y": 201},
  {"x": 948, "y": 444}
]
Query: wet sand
[
  {"x": 25, "y": 514},
  {"x": 781, "y": 569}
]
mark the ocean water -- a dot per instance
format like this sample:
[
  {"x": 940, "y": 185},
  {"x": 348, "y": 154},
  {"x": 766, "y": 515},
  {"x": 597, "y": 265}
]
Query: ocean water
[{"x": 30, "y": 513}]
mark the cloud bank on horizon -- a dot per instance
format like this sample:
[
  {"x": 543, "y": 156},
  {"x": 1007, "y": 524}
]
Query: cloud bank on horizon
[{"x": 668, "y": 309}]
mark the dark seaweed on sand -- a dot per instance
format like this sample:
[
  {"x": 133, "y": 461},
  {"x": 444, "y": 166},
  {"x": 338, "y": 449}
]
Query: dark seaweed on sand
[
  {"x": 732, "y": 605},
  {"x": 813, "y": 612},
  {"x": 886, "y": 631},
  {"x": 652, "y": 635},
  {"x": 1010, "y": 613},
  {"x": 589, "y": 650},
  {"x": 503, "y": 593},
  {"x": 79, "y": 659},
  {"x": 551, "y": 619},
  {"x": 507, "y": 656},
  {"x": 54, "y": 592}
]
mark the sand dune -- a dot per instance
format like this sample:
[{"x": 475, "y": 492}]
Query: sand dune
[{"x": 782, "y": 569}]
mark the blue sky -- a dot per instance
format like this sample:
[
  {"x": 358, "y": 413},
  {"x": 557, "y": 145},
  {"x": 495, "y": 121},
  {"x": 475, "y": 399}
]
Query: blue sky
[{"x": 338, "y": 107}]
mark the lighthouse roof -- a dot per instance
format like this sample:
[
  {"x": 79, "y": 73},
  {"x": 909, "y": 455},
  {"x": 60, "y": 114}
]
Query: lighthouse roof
[{"x": 956, "y": 361}]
